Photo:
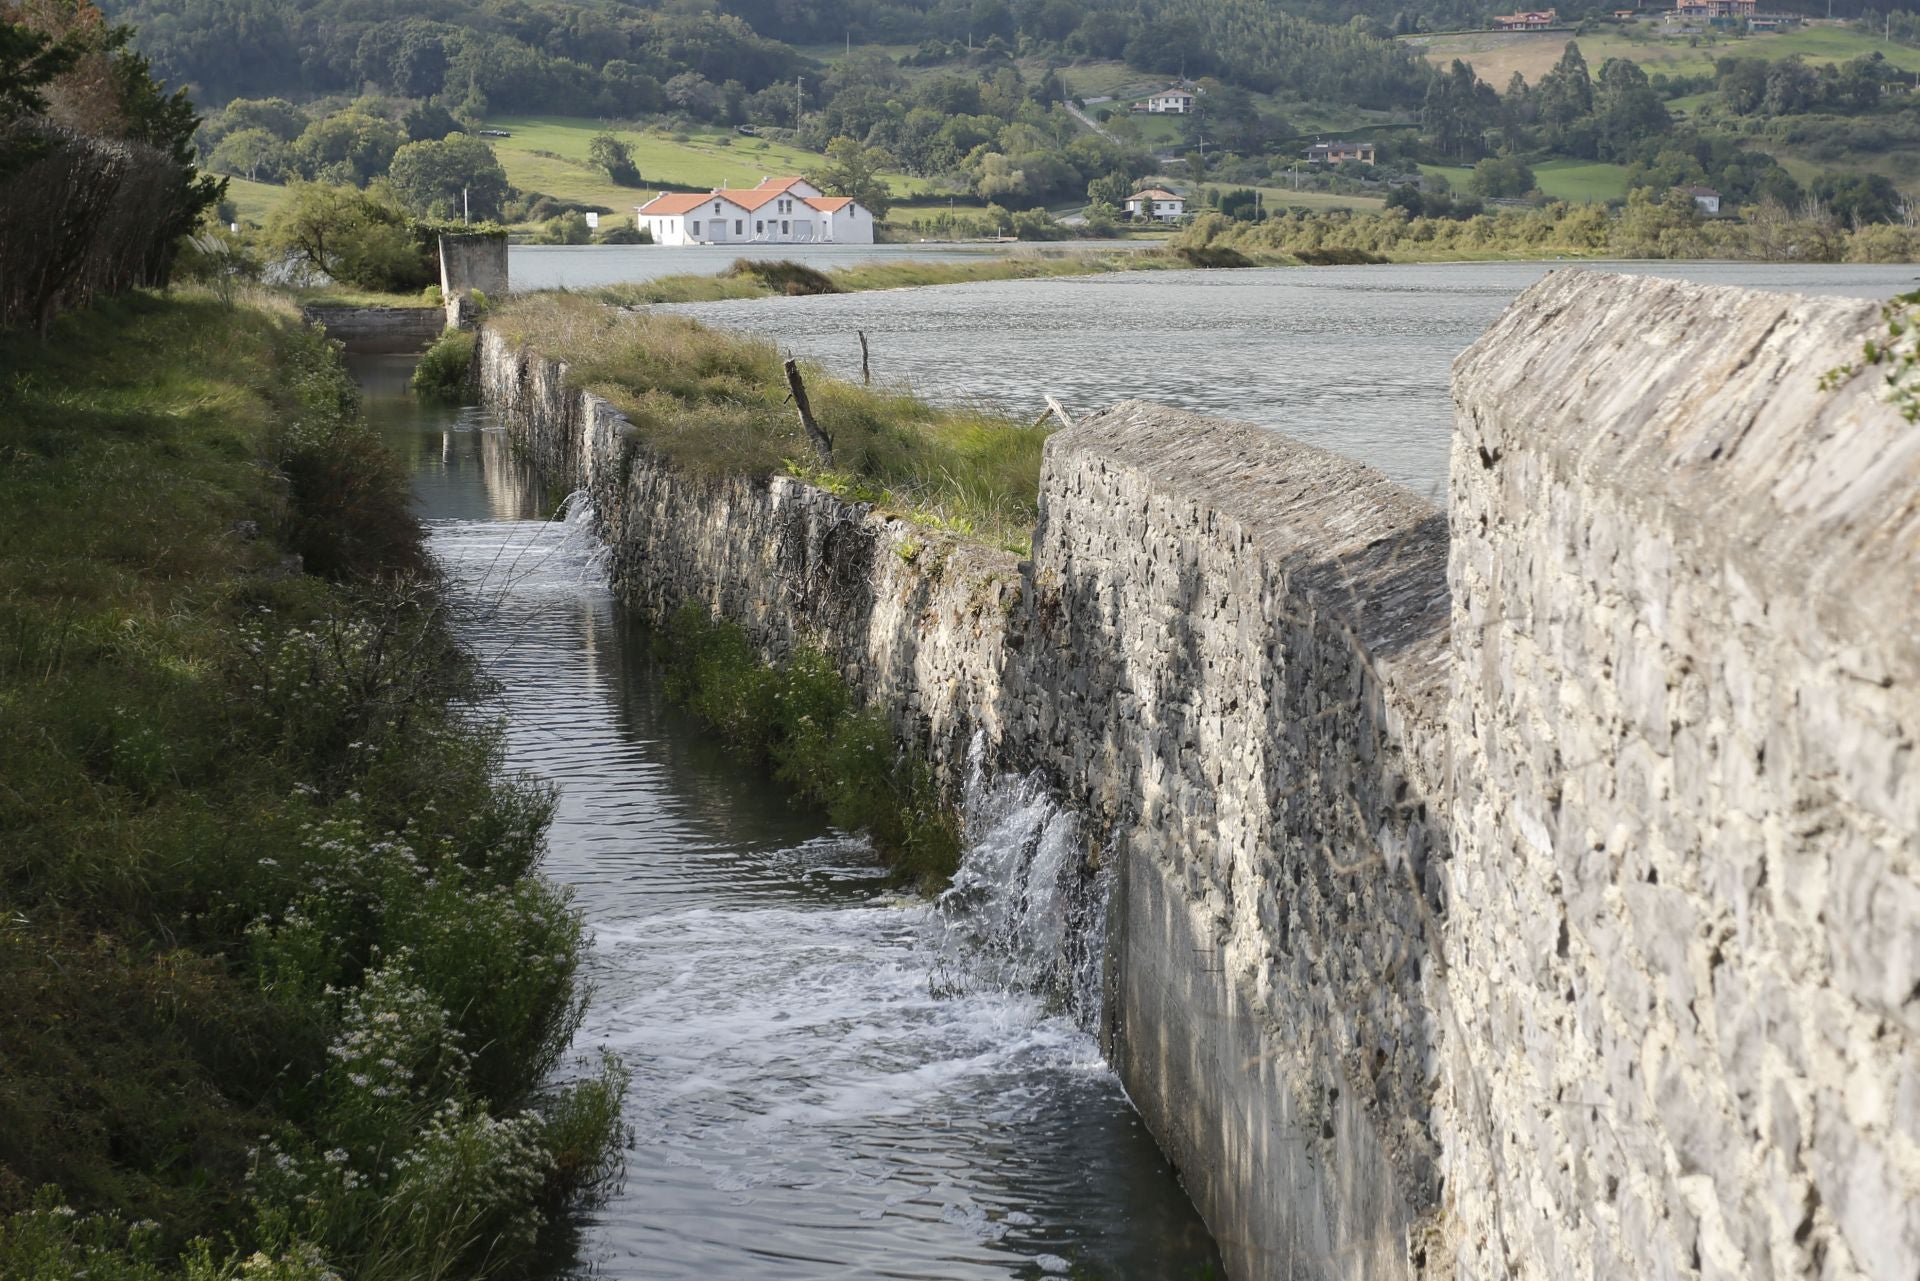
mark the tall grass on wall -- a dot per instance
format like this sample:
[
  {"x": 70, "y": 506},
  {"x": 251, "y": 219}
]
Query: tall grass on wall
[{"x": 83, "y": 217}]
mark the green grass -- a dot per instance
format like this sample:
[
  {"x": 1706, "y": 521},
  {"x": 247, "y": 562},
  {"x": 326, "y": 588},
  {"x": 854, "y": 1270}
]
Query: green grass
[
  {"x": 246, "y": 822},
  {"x": 255, "y": 202},
  {"x": 1575, "y": 181},
  {"x": 715, "y": 403},
  {"x": 1286, "y": 197},
  {"x": 345, "y": 296},
  {"x": 708, "y": 158}
]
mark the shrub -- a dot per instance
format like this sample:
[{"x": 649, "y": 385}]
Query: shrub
[
  {"x": 446, "y": 368},
  {"x": 783, "y": 276}
]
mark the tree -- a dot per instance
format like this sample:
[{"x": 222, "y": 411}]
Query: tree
[
  {"x": 854, "y": 170},
  {"x": 1566, "y": 92},
  {"x": 353, "y": 236},
  {"x": 454, "y": 177},
  {"x": 1500, "y": 177},
  {"x": 616, "y": 157},
  {"x": 1627, "y": 110},
  {"x": 29, "y": 61},
  {"x": 249, "y": 153},
  {"x": 1110, "y": 190},
  {"x": 352, "y": 147}
]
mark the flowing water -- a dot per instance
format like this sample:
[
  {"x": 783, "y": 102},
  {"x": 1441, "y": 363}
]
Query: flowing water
[{"x": 829, "y": 1079}]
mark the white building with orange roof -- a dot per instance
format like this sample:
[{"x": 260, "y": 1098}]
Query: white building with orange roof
[{"x": 780, "y": 211}]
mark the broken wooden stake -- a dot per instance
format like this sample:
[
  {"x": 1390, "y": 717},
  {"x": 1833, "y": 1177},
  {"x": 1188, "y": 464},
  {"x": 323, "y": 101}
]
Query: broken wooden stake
[
  {"x": 797, "y": 393},
  {"x": 1054, "y": 407},
  {"x": 866, "y": 374}
]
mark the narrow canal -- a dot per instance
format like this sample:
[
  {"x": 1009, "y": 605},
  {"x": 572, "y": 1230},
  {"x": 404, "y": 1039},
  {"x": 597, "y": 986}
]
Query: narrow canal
[{"x": 828, "y": 1080}]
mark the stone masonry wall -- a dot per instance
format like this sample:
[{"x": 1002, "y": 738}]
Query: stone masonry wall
[
  {"x": 1236, "y": 663},
  {"x": 1239, "y": 683},
  {"x": 1686, "y": 871}
]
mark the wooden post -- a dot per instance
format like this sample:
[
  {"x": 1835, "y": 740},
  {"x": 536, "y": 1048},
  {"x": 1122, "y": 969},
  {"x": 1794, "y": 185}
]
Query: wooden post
[
  {"x": 1056, "y": 408},
  {"x": 866, "y": 373},
  {"x": 797, "y": 393}
]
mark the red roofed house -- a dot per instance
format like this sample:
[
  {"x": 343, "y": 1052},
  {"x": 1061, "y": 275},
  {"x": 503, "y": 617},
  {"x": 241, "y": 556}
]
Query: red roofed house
[
  {"x": 1527, "y": 20},
  {"x": 780, "y": 211}
]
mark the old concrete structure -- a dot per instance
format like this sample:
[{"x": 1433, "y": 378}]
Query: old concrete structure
[
  {"x": 1540, "y": 900},
  {"x": 472, "y": 262},
  {"x": 379, "y": 329}
]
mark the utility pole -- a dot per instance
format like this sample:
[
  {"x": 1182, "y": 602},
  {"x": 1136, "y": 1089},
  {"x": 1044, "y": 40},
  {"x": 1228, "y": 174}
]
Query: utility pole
[
  {"x": 797, "y": 81},
  {"x": 465, "y": 207}
]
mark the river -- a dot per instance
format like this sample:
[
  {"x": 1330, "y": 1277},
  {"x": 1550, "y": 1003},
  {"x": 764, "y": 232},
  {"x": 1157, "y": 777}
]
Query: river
[
  {"x": 1353, "y": 359},
  {"x": 830, "y": 1080}
]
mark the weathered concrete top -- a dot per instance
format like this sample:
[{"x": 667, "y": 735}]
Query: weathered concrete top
[{"x": 1707, "y": 401}]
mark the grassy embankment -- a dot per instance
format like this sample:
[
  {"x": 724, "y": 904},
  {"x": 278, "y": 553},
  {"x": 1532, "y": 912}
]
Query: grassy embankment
[
  {"x": 765, "y": 278},
  {"x": 280, "y": 974},
  {"x": 1496, "y": 55},
  {"x": 714, "y": 405}
]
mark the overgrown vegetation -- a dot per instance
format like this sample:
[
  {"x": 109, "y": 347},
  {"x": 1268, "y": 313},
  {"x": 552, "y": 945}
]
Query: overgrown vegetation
[
  {"x": 446, "y": 368},
  {"x": 715, "y": 403},
  {"x": 1897, "y": 353},
  {"x": 282, "y": 984},
  {"x": 799, "y": 719}
]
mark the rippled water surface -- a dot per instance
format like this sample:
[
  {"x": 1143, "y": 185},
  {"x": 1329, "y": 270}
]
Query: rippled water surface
[
  {"x": 828, "y": 1080},
  {"x": 1353, "y": 359}
]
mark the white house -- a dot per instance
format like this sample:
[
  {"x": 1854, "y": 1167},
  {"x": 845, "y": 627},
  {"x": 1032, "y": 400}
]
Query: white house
[
  {"x": 1176, "y": 101},
  {"x": 780, "y": 211},
  {"x": 1706, "y": 198},
  {"x": 1157, "y": 203}
]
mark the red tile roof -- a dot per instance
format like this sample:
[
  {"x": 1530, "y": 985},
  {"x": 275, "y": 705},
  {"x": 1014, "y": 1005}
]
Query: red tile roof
[
  {"x": 748, "y": 198},
  {"x": 674, "y": 202},
  {"x": 828, "y": 204}
]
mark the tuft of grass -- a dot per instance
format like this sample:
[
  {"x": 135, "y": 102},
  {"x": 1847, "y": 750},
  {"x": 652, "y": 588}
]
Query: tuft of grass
[
  {"x": 783, "y": 277},
  {"x": 715, "y": 404}
]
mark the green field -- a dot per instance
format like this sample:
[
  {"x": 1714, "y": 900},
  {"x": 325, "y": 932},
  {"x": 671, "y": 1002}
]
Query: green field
[
  {"x": 549, "y": 154},
  {"x": 1496, "y": 55},
  {"x": 1575, "y": 181},
  {"x": 1280, "y": 198},
  {"x": 254, "y": 202}
]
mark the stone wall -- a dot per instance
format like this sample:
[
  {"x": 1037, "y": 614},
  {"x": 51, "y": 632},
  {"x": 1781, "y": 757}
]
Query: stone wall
[
  {"x": 1686, "y": 869},
  {"x": 1533, "y": 897}
]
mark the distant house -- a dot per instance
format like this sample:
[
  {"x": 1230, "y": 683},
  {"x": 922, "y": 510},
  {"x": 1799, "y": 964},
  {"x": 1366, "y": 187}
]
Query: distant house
[
  {"x": 1626, "y": 15},
  {"x": 1339, "y": 153},
  {"x": 780, "y": 211},
  {"x": 1172, "y": 101},
  {"x": 1528, "y": 20},
  {"x": 1715, "y": 10},
  {"x": 1772, "y": 21},
  {"x": 1705, "y": 197},
  {"x": 1158, "y": 204}
]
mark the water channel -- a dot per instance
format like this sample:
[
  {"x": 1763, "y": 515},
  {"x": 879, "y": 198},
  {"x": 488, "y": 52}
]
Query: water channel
[{"x": 830, "y": 1080}]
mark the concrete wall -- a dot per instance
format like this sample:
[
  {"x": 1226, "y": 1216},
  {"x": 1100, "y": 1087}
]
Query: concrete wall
[
  {"x": 1686, "y": 869},
  {"x": 1538, "y": 901},
  {"x": 380, "y": 329},
  {"x": 473, "y": 262}
]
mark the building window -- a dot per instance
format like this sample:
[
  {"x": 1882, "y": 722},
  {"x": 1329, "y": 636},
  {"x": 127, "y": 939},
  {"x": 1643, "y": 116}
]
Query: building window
[
  {"x": 784, "y": 228},
  {"x": 759, "y": 228},
  {"x": 738, "y": 226},
  {"x": 716, "y": 206},
  {"x": 696, "y": 226}
]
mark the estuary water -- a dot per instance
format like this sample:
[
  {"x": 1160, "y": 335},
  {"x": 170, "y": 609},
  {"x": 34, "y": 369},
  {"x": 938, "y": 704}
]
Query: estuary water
[
  {"x": 828, "y": 1079},
  {"x": 1353, "y": 359}
]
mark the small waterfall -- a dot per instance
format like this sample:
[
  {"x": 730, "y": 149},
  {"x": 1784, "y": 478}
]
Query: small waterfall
[{"x": 1026, "y": 912}]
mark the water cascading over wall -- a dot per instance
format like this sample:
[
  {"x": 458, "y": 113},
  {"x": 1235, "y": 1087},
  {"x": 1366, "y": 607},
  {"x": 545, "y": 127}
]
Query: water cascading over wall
[{"x": 1435, "y": 949}]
